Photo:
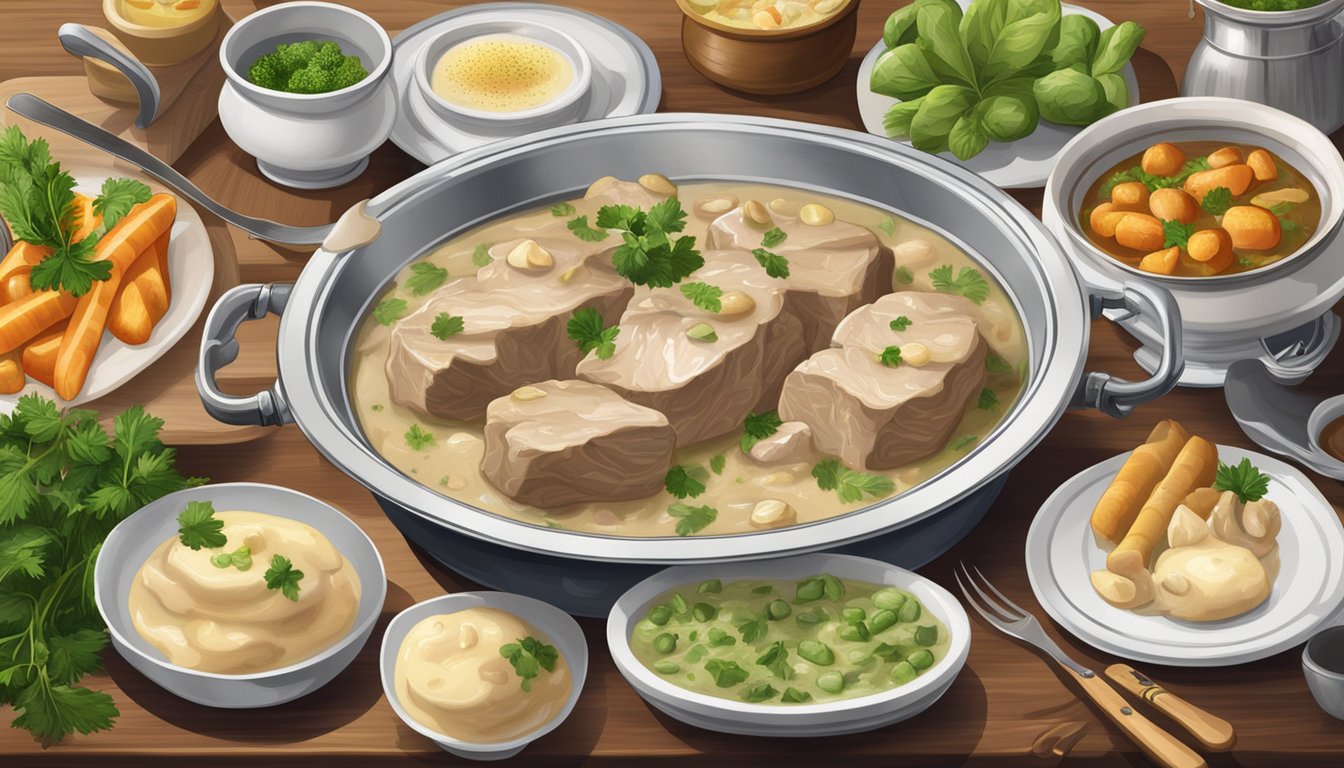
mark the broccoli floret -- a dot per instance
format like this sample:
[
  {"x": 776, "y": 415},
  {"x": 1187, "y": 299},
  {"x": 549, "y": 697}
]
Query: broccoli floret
[
  {"x": 267, "y": 73},
  {"x": 350, "y": 71},
  {"x": 295, "y": 56},
  {"x": 327, "y": 56},
  {"x": 310, "y": 80}
]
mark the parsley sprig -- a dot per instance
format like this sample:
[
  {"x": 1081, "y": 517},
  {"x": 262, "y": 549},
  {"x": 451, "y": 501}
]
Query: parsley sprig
[
  {"x": 850, "y": 484},
  {"x": 282, "y": 575},
  {"x": 425, "y": 277},
  {"x": 691, "y": 519},
  {"x": 649, "y": 254},
  {"x": 199, "y": 528},
  {"x": 585, "y": 327},
  {"x": 968, "y": 282},
  {"x": 686, "y": 481},
  {"x": 703, "y": 295},
  {"x": 529, "y": 656},
  {"x": 446, "y": 326},
  {"x": 1244, "y": 479},
  {"x": 64, "y": 484},
  {"x": 757, "y": 427}
]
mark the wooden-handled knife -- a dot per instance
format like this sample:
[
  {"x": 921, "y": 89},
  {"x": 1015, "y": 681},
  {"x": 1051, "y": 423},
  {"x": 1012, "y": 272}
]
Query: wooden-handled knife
[{"x": 1211, "y": 731}]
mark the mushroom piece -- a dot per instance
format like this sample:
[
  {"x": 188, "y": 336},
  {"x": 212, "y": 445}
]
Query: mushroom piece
[{"x": 1254, "y": 525}]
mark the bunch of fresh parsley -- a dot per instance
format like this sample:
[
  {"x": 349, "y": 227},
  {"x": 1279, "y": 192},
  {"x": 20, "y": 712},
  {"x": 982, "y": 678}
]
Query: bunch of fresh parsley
[
  {"x": 64, "y": 484},
  {"x": 529, "y": 656},
  {"x": 37, "y": 199},
  {"x": 649, "y": 254}
]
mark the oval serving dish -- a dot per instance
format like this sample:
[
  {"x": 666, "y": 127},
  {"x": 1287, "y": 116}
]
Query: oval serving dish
[{"x": 832, "y": 718}]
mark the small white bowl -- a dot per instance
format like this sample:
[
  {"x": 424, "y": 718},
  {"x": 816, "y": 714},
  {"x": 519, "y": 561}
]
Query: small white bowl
[
  {"x": 561, "y": 630},
  {"x": 136, "y": 537},
  {"x": 1329, "y": 410},
  {"x": 563, "y": 108},
  {"x": 833, "y": 718},
  {"x": 308, "y": 141}
]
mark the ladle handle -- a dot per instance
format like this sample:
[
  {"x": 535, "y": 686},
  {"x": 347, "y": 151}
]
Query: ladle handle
[
  {"x": 79, "y": 40},
  {"x": 219, "y": 347},
  {"x": 1119, "y": 397}
]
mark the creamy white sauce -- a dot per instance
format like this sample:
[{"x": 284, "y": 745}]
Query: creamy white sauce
[{"x": 451, "y": 464}]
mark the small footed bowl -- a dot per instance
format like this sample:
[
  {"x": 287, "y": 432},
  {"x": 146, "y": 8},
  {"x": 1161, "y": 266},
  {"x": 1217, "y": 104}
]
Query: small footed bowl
[
  {"x": 1328, "y": 411},
  {"x": 562, "y": 631},
  {"x": 308, "y": 141},
  {"x": 1321, "y": 663},
  {"x": 164, "y": 46},
  {"x": 563, "y": 108},
  {"x": 136, "y": 537},
  {"x": 831, "y": 718}
]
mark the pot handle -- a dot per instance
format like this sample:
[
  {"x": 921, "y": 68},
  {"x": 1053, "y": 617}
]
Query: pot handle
[
  {"x": 219, "y": 347},
  {"x": 1119, "y": 397}
]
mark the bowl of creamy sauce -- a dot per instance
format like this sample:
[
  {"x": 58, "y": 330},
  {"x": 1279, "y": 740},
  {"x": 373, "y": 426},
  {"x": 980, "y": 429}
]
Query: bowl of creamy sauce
[
  {"x": 483, "y": 674},
  {"x": 239, "y": 595},
  {"x": 495, "y": 72}
]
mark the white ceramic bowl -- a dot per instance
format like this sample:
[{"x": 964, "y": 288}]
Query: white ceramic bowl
[
  {"x": 136, "y": 537},
  {"x": 1224, "y": 318},
  {"x": 564, "y": 107},
  {"x": 1328, "y": 411},
  {"x": 561, "y": 630},
  {"x": 308, "y": 141},
  {"x": 826, "y": 719}
]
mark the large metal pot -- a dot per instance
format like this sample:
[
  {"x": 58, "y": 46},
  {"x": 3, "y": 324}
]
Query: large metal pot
[{"x": 582, "y": 572}]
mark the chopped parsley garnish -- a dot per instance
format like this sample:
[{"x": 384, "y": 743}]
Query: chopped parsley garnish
[
  {"x": 753, "y": 629},
  {"x": 890, "y": 357},
  {"x": 282, "y": 575},
  {"x": 198, "y": 527},
  {"x": 988, "y": 400},
  {"x": 419, "y": 439},
  {"x": 446, "y": 325},
  {"x": 996, "y": 364},
  {"x": 561, "y": 210},
  {"x": 685, "y": 481},
  {"x": 773, "y": 237},
  {"x": 1154, "y": 183},
  {"x": 794, "y": 696},
  {"x": 900, "y": 323},
  {"x": 116, "y": 199},
  {"x": 649, "y": 255},
  {"x": 775, "y": 265},
  {"x": 1244, "y": 479},
  {"x": 1176, "y": 234},
  {"x": 850, "y": 485},
  {"x": 690, "y": 519},
  {"x": 585, "y": 327},
  {"x": 1217, "y": 200},
  {"x": 390, "y": 311},
  {"x": 529, "y": 656},
  {"x": 240, "y": 558},
  {"x": 725, "y": 673},
  {"x": 887, "y": 225},
  {"x": 425, "y": 277},
  {"x": 904, "y": 276},
  {"x": 759, "y": 692},
  {"x": 963, "y": 442},
  {"x": 776, "y": 659},
  {"x": 703, "y": 295},
  {"x": 481, "y": 255},
  {"x": 968, "y": 283},
  {"x": 758, "y": 426},
  {"x": 717, "y": 463},
  {"x": 586, "y": 233}
]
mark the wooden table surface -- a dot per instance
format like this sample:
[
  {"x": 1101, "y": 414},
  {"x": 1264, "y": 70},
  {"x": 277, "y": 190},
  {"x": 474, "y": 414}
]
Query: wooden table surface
[{"x": 1003, "y": 699}]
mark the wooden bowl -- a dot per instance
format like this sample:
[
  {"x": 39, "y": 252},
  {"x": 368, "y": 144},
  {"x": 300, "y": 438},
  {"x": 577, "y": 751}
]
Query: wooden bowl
[
  {"x": 164, "y": 46},
  {"x": 765, "y": 61}
]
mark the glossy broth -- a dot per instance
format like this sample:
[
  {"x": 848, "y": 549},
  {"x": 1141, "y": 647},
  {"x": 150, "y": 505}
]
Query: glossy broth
[{"x": 451, "y": 464}]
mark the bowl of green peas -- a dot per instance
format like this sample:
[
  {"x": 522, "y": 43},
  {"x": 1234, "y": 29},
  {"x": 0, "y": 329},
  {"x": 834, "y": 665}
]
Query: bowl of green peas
[{"x": 813, "y": 645}]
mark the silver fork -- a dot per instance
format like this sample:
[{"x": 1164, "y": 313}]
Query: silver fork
[{"x": 1016, "y": 622}]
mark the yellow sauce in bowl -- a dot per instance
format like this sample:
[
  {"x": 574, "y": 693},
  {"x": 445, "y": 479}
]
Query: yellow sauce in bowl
[
  {"x": 451, "y": 677},
  {"x": 501, "y": 73},
  {"x": 166, "y": 13},
  {"x": 226, "y": 620}
]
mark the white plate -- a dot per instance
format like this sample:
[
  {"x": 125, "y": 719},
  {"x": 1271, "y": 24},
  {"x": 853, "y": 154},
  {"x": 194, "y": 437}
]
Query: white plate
[
  {"x": 626, "y": 79},
  {"x": 191, "y": 272},
  {"x": 1062, "y": 553},
  {"x": 832, "y": 718},
  {"x": 1023, "y": 163}
]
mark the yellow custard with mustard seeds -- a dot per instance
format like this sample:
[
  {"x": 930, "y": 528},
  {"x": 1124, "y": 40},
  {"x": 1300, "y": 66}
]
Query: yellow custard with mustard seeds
[{"x": 501, "y": 73}]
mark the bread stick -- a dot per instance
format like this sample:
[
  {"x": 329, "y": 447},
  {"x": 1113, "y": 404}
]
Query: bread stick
[{"x": 1119, "y": 506}]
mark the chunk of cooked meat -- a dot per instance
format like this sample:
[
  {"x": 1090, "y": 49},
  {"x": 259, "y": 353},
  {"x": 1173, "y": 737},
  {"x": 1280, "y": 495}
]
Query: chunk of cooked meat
[
  {"x": 562, "y": 442},
  {"x": 834, "y": 268},
  {"x": 791, "y": 444},
  {"x": 877, "y": 416},
  {"x": 513, "y": 317},
  {"x": 705, "y": 370}
]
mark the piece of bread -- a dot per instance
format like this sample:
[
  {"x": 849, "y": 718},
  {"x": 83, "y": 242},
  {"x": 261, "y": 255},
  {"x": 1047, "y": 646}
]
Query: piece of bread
[
  {"x": 1195, "y": 467},
  {"x": 1119, "y": 506}
]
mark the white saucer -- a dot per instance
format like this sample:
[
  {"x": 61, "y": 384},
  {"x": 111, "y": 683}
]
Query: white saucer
[
  {"x": 626, "y": 79},
  {"x": 1014, "y": 165},
  {"x": 1062, "y": 552}
]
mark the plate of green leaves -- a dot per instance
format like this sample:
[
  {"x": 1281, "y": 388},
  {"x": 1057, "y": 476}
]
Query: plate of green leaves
[
  {"x": 996, "y": 86},
  {"x": 37, "y": 200}
]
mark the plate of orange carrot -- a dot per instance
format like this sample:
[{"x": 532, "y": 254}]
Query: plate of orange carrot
[
  {"x": 1192, "y": 517},
  {"x": 105, "y": 276}
]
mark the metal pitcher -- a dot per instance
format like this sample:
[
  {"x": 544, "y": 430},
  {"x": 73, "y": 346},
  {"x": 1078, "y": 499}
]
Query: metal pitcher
[{"x": 1292, "y": 60}]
